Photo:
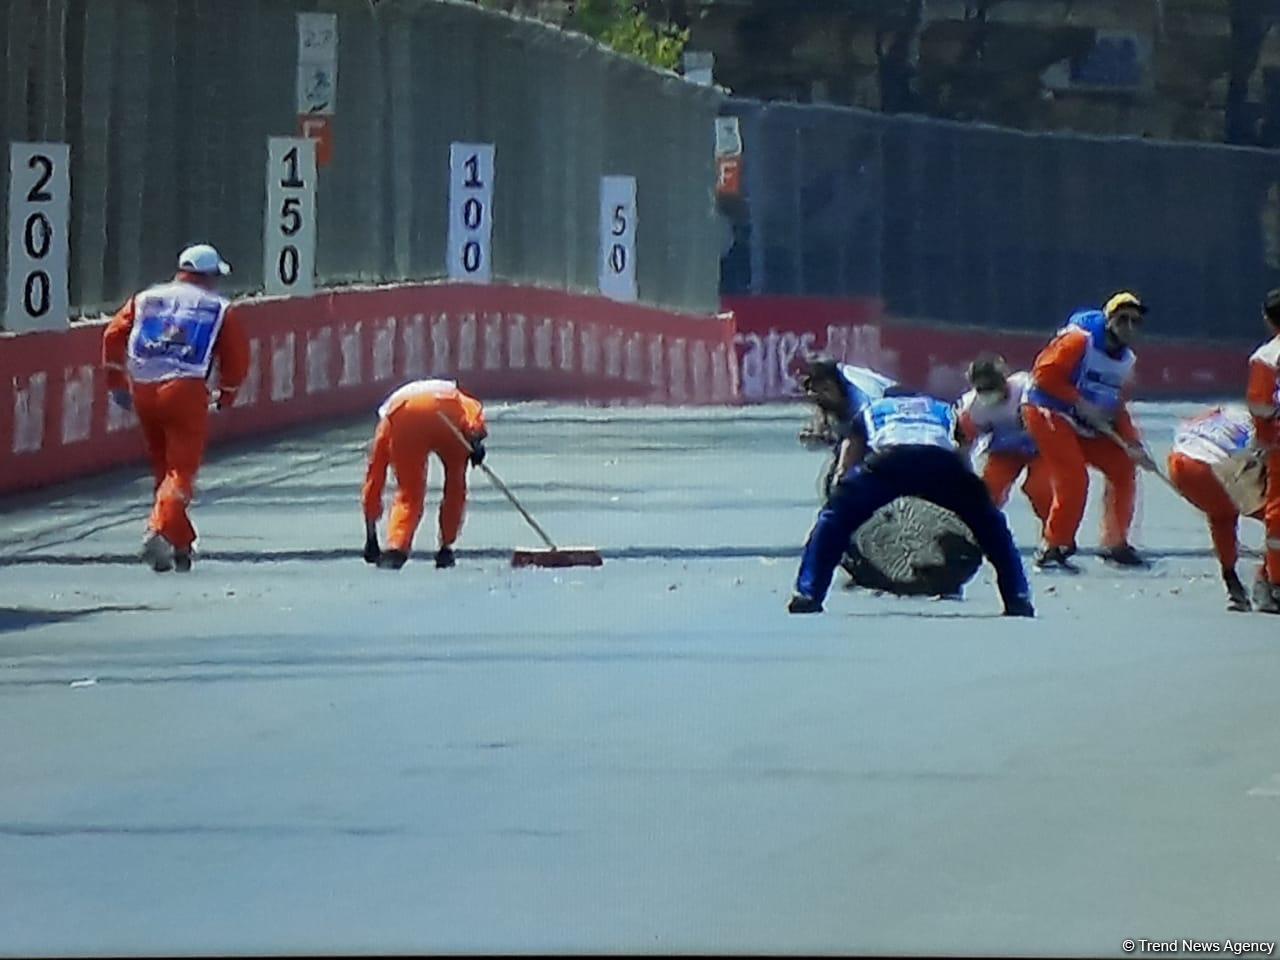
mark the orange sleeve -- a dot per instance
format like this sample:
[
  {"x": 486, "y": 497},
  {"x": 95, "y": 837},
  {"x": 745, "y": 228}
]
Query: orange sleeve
[
  {"x": 375, "y": 478},
  {"x": 232, "y": 355},
  {"x": 967, "y": 430},
  {"x": 1261, "y": 397},
  {"x": 473, "y": 423},
  {"x": 115, "y": 343},
  {"x": 1056, "y": 365}
]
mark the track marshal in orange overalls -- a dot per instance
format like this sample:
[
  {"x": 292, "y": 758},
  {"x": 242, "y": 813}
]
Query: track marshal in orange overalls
[
  {"x": 411, "y": 426},
  {"x": 159, "y": 351},
  {"x": 1079, "y": 392}
]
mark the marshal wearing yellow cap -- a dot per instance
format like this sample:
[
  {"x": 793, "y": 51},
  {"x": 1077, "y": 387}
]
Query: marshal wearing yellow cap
[
  {"x": 1076, "y": 410},
  {"x": 1122, "y": 301}
]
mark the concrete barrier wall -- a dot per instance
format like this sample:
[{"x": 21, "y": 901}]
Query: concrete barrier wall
[
  {"x": 772, "y": 333},
  {"x": 339, "y": 353}
]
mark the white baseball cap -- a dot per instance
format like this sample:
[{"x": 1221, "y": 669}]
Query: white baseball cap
[{"x": 203, "y": 258}]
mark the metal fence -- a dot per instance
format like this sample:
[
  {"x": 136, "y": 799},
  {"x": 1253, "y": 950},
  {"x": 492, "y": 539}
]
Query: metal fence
[
  {"x": 168, "y": 104},
  {"x": 975, "y": 225}
]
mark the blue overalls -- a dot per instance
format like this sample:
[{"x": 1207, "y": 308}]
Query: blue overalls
[{"x": 912, "y": 453}]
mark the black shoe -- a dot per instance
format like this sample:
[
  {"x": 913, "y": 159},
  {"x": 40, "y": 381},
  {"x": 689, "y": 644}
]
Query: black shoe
[
  {"x": 157, "y": 553},
  {"x": 1054, "y": 558},
  {"x": 1019, "y": 607},
  {"x": 182, "y": 561},
  {"x": 1237, "y": 595},
  {"x": 802, "y": 604},
  {"x": 444, "y": 558},
  {"x": 1266, "y": 597},
  {"x": 392, "y": 559},
  {"x": 1123, "y": 556},
  {"x": 371, "y": 551},
  {"x": 1069, "y": 551}
]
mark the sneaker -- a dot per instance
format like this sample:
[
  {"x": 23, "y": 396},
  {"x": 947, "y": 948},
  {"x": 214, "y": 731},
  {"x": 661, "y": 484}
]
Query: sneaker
[
  {"x": 1123, "y": 556},
  {"x": 1019, "y": 607},
  {"x": 182, "y": 560},
  {"x": 392, "y": 559},
  {"x": 157, "y": 553},
  {"x": 444, "y": 558},
  {"x": 1054, "y": 558},
  {"x": 1237, "y": 595},
  {"x": 1266, "y": 597},
  {"x": 802, "y": 604}
]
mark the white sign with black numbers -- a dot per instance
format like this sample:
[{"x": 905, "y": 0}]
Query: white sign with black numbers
[
  {"x": 470, "y": 212},
  {"x": 290, "y": 239},
  {"x": 39, "y": 215},
  {"x": 618, "y": 238}
]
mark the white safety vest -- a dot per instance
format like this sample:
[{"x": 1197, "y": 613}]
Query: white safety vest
[
  {"x": 1216, "y": 436},
  {"x": 863, "y": 384},
  {"x": 1269, "y": 355},
  {"x": 418, "y": 388},
  {"x": 1000, "y": 427},
  {"x": 910, "y": 421},
  {"x": 1100, "y": 377},
  {"x": 175, "y": 327}
]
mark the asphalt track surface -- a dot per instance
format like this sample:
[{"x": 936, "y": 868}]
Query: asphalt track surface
[{"x": 287, "y": 750}]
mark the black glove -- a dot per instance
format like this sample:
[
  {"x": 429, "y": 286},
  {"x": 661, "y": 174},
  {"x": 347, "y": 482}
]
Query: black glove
[
  {"x": 477, "y": 453},
  {"x": 817, "y": 433},
  {"x": 371, "y": 549}
]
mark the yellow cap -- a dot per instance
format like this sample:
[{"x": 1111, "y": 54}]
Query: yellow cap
[{"x": 1124, "y": 299}]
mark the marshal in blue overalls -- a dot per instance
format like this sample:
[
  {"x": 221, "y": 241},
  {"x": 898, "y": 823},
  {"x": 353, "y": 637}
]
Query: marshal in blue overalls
[{"x": 909, "y": 450}]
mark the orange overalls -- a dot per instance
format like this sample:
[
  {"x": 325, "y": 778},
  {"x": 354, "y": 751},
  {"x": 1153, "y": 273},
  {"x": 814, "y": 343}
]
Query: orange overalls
[
  {"x": 1010, "y": 449},
  {"x": 1002, "y": 470},
  {"x": 1263, "y": 396},
  {"x": 409, "y": 431},
  {"x": 172, "y": 399},
  {"x": 1196, "y": 446},
  {"x": 1068, "y": 449}
]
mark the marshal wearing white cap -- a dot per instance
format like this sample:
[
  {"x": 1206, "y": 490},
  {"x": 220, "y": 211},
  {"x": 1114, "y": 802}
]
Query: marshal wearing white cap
[
  {"x": 159, "y": 351},
  {"x": 204, "y": 260}
]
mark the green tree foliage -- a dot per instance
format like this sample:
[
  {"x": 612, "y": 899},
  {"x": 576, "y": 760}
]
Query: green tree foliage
[
  {"x": 636, "y": 33},
  {"x": 621, "y": 24}
]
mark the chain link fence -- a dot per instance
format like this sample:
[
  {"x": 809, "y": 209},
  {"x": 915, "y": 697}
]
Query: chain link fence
[
  {"x": 974, "y": 225},
  {"x": 168, "y": 104}
]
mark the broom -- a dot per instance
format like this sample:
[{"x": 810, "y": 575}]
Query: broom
[
  {"x": 1247, "y": 492},
  {"x": 553, "y": 556},
  {"x": 1124, "y": 444}
]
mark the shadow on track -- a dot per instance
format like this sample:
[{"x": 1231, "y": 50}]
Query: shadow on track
[
  {"x": 20, "y": 618},
  {"x": 625, "y": 553}
]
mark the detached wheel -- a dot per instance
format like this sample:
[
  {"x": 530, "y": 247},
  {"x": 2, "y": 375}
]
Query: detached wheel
[{"x": 913, "y": 548}]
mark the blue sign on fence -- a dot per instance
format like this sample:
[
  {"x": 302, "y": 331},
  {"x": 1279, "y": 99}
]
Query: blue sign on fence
[{"x": 1117, "y": 61}]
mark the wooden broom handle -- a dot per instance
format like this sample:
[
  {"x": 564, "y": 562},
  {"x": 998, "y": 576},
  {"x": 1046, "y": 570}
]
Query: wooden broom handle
[{"x": 493, "y": 477}]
